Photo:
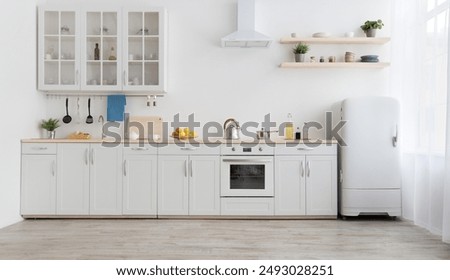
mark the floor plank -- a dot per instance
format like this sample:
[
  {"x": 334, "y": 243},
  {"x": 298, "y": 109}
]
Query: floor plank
[{"x": 220, "y": 239}]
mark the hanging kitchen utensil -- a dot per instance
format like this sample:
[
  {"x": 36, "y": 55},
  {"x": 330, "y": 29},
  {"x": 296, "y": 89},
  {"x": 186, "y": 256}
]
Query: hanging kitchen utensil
[
  {"x": 67, "y": 118},
  {"x": 78, "y": 111},
  {"x": 89, "y": 118}
]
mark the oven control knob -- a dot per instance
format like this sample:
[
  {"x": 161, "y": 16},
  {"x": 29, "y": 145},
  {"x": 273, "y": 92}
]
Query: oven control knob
[
  {"x": 260, "y": 149},
  {"x": 233, "y": 149}
]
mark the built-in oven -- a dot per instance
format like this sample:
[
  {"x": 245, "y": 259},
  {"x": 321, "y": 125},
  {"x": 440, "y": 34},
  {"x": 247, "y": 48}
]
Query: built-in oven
[{"x": 247, "y": 171}]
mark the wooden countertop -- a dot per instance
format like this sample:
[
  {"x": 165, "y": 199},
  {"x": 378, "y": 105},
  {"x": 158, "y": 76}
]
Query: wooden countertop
[{"x": 198, "y": 140}]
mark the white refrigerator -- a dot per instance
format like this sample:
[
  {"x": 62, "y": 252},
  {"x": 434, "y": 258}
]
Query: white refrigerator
[{"x": 370, "y": 174}]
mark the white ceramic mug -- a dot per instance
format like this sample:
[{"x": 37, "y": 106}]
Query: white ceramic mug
[
  {"x": 130, "y": 57},
  {"x": 349, "y": 34}
]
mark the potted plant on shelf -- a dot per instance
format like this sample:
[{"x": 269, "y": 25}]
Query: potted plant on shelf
[
  {"x": 299, "y": 51},
  {"x": 50, "y": 125},
  {"x": 370, "y": 27}
]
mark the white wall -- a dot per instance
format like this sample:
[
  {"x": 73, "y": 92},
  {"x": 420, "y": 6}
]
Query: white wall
[
  {"x": 216, "y": 83},
  {"x": 22, "y": 106}
]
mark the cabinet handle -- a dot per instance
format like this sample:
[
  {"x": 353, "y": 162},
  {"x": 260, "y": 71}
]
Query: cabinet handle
[
  {"x": 125, "y": 167},
  {"x": 86, "y": 160},
  {"x": 77, "y": 77},
  {"x": 302, "y": 168},
  {"x": 305, "y": 149},
  {"x": 308, "y": 169},
  {"x": 39, "y": 148},
  {"x": 92, "y": 156},
  {"x": 53, "y": 168},
  {"x": 192, "y": 168},
  {"x": 185, "y": 168},
  {"x": 139, "y": 149},
  {"x": 124, "y": 77},
  {"x": 341, "y": 176}
]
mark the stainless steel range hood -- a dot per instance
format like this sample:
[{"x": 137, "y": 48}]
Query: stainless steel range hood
[{"x": 246, "y": 36}]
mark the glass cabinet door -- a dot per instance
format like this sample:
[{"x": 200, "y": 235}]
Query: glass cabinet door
[
  {"x": 58, "y": 50},
  {"x": 143, "y": 50},
  {"x": 101, "y": 44}
]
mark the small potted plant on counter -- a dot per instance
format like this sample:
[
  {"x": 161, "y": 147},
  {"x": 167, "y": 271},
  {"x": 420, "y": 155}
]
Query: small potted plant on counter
[
  {"x": 370, "y": 27},
  {"x": 50, "y": 125},
  {"x": 299, "y": 51}
]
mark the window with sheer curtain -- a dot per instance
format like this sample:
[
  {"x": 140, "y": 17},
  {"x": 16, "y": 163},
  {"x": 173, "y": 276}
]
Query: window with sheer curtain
[
  {"x": 432, "y": 101},
  {"x": 419, "y": 79}
]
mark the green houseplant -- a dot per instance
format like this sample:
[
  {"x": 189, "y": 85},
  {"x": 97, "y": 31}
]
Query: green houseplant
[
  {"x": 370, "y": 27},
  {"x": 50, "y": 125},
  {"x": 299, "y": 51}
]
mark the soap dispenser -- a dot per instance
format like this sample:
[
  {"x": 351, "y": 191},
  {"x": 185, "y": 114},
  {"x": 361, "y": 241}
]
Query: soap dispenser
[{"x": 289, "y": 128}]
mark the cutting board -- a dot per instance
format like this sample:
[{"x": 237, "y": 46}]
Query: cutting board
[{"x": 144, "y": 121}]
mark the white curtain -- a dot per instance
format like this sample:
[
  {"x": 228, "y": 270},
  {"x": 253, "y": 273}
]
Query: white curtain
[{"x": 420, "y": 58}]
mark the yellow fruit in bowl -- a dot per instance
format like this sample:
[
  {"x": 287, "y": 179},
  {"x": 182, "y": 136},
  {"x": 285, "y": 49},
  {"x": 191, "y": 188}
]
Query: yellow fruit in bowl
[
  {"x": 181, "y": 134},
  {"x": 192, "y": 134},
  {"x": 186, "y": 131}
]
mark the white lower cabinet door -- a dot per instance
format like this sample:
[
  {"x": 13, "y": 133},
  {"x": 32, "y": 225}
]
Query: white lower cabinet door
[
  {"x": 73, "y": 179},
  {"x": 321, "y": 185},
  {"x": 139, "y": 184},
  {"x": 173, "y": 185},
  {"x": 204, "y": 185},
  {"x": 38, "y": 185},
  {"x": 290, "y": 185},
  {"x": 105, "y": 180}
]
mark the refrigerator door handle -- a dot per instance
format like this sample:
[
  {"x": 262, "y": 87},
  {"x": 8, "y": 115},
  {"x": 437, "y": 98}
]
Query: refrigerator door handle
[{"x": 395, "y": 138}]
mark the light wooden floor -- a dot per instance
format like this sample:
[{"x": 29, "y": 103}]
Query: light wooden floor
[{"x": 219, "y": 239}]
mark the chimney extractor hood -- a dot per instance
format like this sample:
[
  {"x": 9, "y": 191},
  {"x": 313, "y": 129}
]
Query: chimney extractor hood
[{"x": 246, "y": 36}]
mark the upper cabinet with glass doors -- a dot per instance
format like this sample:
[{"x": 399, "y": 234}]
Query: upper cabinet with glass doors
[
  {"x": 144, "y": 49},
  {"x": 59, "y": 49},
  {"x": 102, "y": 50}
]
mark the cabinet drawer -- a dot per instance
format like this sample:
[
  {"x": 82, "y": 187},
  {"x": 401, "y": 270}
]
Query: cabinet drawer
[
  {"x": 137, "y": 149},
  {"x": 39, "y": 148},
  {"x": 302, "y": 149},
  {"x": 247, "y": 206},
  {"x": 188, "y": 149}
]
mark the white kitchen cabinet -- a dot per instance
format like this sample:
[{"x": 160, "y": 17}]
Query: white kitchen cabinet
[
  {"x": 91, "y": 49},
  {"x": 188, "y": 180},
  {"x": 38, "y": 180},
  {"x": 306, "y": 181},
  {"x": 100, "y": 44},
  {"x": 173, "y": 184},
  {"x": 140, "y": 181},
  {"x": 73, "y": 179},
  {"x": 204, "y": 185},
  {"x": 144, "y": 51},
  {"x": 59, "y": 48},
  {"x": 321, "y": 185},
  {"x": 290, "y": 197},
  {"x": 105, "y": 179},
  {"x": 89, "y": 179}
]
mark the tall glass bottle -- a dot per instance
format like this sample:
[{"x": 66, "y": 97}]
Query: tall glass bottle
[{"x": 289, "y": 128}]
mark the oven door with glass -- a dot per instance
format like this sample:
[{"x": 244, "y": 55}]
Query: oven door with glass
[{"x": 246, "y": 176}]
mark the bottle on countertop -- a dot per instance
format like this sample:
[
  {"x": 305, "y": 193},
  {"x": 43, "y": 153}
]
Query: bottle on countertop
[
  {"x": 96, "y": 52},
  {"x": 298, "y": 134},
  {"x": 289, "y": 128}
]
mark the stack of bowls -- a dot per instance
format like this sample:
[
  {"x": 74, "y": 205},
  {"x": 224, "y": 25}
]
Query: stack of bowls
[
  {"x": 369, "y": 58},
  {"x": 349, "y": 57}
]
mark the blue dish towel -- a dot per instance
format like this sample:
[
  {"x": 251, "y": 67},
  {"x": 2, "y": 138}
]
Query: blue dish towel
[{"x": 116, "y": 108}]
